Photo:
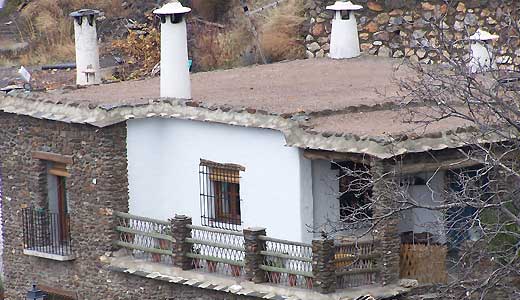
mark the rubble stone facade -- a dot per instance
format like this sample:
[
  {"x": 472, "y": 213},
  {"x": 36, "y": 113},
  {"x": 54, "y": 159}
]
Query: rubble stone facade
[
  {"x": 97, "y": 186},
  {"x": 403, "y": 28}
]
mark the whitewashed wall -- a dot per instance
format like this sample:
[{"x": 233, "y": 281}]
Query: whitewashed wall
[
  {"x": 163, "y": 168},
  {"x": 325, "y": 189},
  {"x": 423, "y": 220}
]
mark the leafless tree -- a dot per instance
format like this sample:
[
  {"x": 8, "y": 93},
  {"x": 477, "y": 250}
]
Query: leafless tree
[{"x": 480, "y": 207}]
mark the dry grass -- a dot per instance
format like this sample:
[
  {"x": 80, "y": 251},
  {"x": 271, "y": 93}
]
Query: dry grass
[
  {"x": 212, "y": 10},
  {"x": 281, "y": 32},
  {"x": 217, "y": 49},
  {"x": 48, "y": 29},
  {"x": 141, "y": 51},
  {"x": 6, "y": 62}
]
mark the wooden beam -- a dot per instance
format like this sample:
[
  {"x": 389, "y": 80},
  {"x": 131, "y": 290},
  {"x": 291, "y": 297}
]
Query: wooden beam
[
  {"x": 57, "y": 158},
  {"x": 338, "y": 156},
  {"x": 419, "y": 167}
]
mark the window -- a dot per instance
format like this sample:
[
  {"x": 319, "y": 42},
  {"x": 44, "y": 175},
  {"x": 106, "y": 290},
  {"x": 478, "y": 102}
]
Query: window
[
  {"x": 46, "y": 226},
  {"x": 57, "y": 200},
  {"x": 220, "y": 194}
]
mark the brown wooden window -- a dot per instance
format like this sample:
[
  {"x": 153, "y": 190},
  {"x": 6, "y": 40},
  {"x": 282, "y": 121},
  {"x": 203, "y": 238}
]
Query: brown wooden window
[
  {"x": 57, "y": 198},
  {"x": 220, "y": 194}
]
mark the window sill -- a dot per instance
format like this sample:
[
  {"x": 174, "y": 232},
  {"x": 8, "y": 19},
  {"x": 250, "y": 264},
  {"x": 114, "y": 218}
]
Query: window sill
[{"x": 50, "y": 256}]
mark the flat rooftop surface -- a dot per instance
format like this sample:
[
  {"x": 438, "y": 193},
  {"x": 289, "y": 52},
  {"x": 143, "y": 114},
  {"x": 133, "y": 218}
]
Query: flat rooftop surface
[
  {"x": 351, "y": 106},
  {"x": 303, "y": 85}
]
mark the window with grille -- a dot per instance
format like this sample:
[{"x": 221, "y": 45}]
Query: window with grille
[{"x": 220, "y": 194}]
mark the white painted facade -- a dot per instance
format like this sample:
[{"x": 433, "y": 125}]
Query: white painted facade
[
  {"x": 325, "y": 191},
  {"x": 281, "y": 190},
  {"x": 421, "y": 220},
  {"x": 163, "y": 170}
]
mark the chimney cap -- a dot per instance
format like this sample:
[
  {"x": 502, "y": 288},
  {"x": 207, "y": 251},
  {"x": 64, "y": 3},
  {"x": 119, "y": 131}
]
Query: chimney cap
[
  {"x": 85, "y": 12},
  {"x": 171, "y": 8},
  {"x": 482, "y": 35},
  {"x": 342, "y": 5}
]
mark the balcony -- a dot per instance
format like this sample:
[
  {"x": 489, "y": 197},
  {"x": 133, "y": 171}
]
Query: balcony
[
  {"x": 47, "y": 234},
  {"x": 248, "y": 260}
]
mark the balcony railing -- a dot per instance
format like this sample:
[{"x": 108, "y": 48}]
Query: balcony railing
[
  {"x": 250, "y": 254},
  {"x": 46, "y": 233}
]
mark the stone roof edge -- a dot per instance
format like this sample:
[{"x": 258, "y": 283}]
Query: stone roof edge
[{"x": 295, "y": 134}]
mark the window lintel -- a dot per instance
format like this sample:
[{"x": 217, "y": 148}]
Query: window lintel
[
  {"x": 226, "y": 166},
  {"x": 53, "y": 157}
]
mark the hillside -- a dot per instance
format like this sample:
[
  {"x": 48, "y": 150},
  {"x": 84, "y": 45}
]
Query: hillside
[{"x": 220, "y": 34}]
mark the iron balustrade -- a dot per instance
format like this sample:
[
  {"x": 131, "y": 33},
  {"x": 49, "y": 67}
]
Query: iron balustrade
[{"x": 46, "y": 232}]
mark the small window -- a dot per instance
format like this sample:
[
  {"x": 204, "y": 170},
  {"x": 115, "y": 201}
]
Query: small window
[{"x": 220, "y": 195}]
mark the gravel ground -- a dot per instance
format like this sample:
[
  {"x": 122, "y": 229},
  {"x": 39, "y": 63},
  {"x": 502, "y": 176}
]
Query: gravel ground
[{"x": 7, "y": 75}]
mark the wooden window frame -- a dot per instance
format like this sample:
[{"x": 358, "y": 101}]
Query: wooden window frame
[
  {"x": 220, "y": 194},
  {"x": 58, "y": 169}
]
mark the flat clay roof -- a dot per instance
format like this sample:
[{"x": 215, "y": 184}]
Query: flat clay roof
[
  {"x": 287, "y": 87},
  {"x": 347, "y": 106},
  {"x": 384, "y": 122}
]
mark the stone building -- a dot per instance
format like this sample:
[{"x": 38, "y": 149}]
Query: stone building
[{"x": 131, "y": 191}]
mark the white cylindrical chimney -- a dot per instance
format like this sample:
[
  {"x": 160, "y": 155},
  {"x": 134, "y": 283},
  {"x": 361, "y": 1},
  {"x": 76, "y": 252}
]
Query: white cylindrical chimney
[
  {"x": 175, "y": 74},
  {"x": 481, "y": 54},
  {"x": 344, "y": 39},
  {"x": 87, "y": 53}
]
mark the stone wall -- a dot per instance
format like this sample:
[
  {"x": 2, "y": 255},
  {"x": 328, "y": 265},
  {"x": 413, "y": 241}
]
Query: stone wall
[
  {"x": 402, "y": 28},
  {"x": 98, "y": 154}
]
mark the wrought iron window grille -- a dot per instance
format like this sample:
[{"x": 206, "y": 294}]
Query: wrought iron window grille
[{"x": 220, "y": 195}]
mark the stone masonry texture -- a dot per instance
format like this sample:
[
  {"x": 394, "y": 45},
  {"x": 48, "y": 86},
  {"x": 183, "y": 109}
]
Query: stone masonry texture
[
  {"x": 387, "y": 231},
  {"x": 402, "y": 28},
  {"x": 98, "y": 154},
  {"x": 253, "y": 259},
  {"x": 323, "y": 267}
]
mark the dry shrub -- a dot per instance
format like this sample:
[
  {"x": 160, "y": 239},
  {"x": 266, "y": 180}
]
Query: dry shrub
[
  {"x": 212, "y": 10},
  {"x": 141, "y": 51},
  {"x": 281, "y": 33},
  {"x": 214, "y": 49},
  {"x": 46, "y": 25}
]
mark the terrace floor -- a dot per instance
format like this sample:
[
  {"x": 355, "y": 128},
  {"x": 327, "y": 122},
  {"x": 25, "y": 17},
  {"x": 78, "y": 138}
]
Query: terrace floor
[{"x": 119, "y": 262}]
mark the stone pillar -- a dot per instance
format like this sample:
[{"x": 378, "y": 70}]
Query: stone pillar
[
  {"x": 253, "y": 259},
  {"x": 387, "y": 233},
  {"x": 323, "y": 267},
  {"x": 180, "y": 232}
]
